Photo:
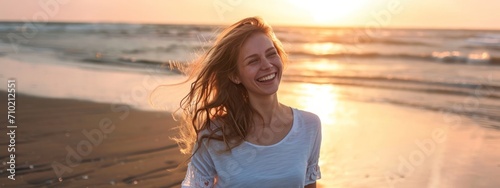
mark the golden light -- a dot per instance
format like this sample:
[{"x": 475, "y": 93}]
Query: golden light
[
  {"x": 323, "y": 48},
  {"x": 330, "y": 11},
  {"x": 321, "y": 100},
  {"x": 325, "y": 65},
  {"x": 319, "y": 69}
]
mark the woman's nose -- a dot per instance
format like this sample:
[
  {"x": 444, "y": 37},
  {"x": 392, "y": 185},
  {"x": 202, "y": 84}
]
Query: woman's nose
[{"x": 266, "y": 64}]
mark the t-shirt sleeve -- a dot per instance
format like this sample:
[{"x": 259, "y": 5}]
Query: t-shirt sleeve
[
  {"x": 200, "y": 171},
  {"x": 313, "y": 172}
]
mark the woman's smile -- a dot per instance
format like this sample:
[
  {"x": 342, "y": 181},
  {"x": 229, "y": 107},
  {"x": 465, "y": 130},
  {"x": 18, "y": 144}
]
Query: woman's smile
[{"x": 267, "y": 78}]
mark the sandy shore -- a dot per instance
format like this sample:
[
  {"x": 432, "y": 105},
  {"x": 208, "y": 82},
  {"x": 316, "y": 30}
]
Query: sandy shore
[
  {"x": 386, "y": 145},
  {"x": 91, "y": 144},
  {"x": 71, "y": 143}
]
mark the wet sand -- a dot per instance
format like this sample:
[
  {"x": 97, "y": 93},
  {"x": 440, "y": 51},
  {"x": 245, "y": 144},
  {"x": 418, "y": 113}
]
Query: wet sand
[
  {"x": 381, "y": 144},
  {"x": 72, "y": 143}
]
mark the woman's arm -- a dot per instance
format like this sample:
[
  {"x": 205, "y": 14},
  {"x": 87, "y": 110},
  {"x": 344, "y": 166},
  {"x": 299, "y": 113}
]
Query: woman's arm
[{"x": 312, "y": 185}]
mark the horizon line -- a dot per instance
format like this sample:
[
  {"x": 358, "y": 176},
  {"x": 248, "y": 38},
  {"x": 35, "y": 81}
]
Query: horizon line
[{"x": 273, "y": 25}]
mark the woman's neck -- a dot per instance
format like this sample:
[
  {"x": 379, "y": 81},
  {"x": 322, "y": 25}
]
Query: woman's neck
[
  {"x": 272, "y": 122},
  {"x": 268, "y": 107}
]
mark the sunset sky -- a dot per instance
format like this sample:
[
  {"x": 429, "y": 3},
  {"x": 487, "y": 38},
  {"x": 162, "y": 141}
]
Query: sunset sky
[{"x": 479, "y": 14}]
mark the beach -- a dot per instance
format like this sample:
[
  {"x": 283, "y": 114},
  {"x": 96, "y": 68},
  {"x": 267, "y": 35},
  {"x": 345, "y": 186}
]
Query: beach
[
  {"x": 376, "y": 149},
  {"x": 408, "y": 108},
  {"x": 60, "y": 143}
]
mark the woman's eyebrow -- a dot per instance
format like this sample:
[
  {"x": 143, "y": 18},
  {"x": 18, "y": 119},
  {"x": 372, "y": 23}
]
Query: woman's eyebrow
[
  {"x": 250, "y": 56},
  {"x": 270, "y": 49},
  {"x": 253, "y": 55}
]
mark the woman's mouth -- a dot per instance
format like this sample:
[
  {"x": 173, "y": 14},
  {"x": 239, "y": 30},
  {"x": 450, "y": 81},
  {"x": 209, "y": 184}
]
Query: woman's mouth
[{"x": 267, "y": 77}]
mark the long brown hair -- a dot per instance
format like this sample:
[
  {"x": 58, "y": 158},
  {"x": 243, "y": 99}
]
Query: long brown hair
[{"x": 213, "y": 97}]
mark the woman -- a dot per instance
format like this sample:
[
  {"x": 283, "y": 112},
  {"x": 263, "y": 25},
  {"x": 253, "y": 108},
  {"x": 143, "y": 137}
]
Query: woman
[{"x": 242, "y": 135}]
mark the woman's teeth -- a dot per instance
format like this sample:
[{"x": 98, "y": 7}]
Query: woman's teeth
[{"x": 266, "y": 78}]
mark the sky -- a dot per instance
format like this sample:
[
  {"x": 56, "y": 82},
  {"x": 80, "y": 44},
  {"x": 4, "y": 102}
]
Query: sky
[{"x": 446, "y": 14}]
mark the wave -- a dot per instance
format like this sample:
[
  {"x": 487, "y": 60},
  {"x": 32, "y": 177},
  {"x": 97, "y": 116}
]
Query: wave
[
  {"x": 487, "y": 39},
  {"x": 471, "y": 42},
  {"x": 62, "y": 27},
  {"x": 164, "y": 30},
  {"x": 166, "y": 67},
  {"x": 167, "y": 49},
  {"x": 353, "y": 40},
  {"x": 410, "y": 37},
  {"x": 484, "y": 47},
  {"x": 446, "y": 56},
  {"x": 378, "y": 81}
]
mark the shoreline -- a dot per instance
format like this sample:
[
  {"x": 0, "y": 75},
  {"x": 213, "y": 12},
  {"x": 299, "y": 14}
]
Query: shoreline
[
  {"x": 377, "y": 144},
  {"x": 68, "y": 142}
]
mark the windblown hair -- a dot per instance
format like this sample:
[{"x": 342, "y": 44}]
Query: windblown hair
[{"x": 213, "y": 97}]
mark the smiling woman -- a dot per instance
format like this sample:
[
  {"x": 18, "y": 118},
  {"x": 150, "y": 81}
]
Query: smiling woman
[
  {"x": 239, "y": 133},
  {"x": 328, "y": 11}
]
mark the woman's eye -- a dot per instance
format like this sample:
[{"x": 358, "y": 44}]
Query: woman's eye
[
  {"x": 252, "y": 61},
  {"x": 272, "y": 54}
]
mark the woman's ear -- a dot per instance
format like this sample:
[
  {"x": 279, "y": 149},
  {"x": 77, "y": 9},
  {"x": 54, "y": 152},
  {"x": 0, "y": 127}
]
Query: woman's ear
[{"x": 234, "y": 79}]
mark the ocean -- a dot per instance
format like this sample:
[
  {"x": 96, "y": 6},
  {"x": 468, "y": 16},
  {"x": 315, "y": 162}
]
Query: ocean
[{"x": 357, "y": 80}]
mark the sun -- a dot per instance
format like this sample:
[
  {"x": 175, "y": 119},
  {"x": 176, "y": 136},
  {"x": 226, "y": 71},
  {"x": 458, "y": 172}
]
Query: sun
[{"x": 330, "y": 11}]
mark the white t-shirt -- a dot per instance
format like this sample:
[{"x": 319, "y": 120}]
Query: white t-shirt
[{"x": 292, "y": 162}]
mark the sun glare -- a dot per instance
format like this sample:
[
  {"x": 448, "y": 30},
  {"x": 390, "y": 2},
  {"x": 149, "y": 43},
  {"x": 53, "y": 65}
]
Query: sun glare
[
  {"x": 323, "y": 48},
  {"x": 330, "y": 11},
  {"x": 320, "y": 99}
]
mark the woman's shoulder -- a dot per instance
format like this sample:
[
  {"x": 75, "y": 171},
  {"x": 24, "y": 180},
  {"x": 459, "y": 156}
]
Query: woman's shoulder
[
  {"x": 213, "y": 127},
  {"x": 307, "y": 117},
  {"x": 308, "y": 121}
]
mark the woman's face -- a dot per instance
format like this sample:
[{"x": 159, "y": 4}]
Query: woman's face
[{"x": 259, "y": 66}]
